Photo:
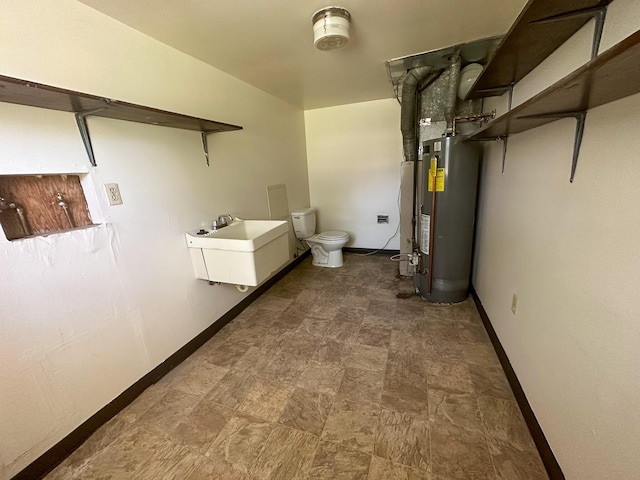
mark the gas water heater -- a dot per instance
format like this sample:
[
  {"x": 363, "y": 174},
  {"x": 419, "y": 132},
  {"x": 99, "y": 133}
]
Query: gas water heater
[{"x": 446, "y": 221}]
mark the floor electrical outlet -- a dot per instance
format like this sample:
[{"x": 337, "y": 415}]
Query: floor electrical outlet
[
  {"x": 514, "y": 304},
  {"x": 113, "y": 193}
]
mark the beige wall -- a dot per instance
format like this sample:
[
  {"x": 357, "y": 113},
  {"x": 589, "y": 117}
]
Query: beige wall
[
  {"x": 570, "y": 252},
  {"x": 354, "y": 154},
  {"x": 85, "y": 314}
]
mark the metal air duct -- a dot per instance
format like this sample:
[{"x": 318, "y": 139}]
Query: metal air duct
[{"x": 408, "y": 111}]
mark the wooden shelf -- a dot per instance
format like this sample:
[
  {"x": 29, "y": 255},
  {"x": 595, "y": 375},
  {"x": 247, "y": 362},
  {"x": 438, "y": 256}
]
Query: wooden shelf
[
  {"x": 23, "y": 92},
  {"x": 541, "y": 27},
  {"x": 612, "y": 75}
]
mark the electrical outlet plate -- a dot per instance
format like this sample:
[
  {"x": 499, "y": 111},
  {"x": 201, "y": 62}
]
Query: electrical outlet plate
[
  {"x": 514, "y": 303},
  {"x": 113, "y": 193}
]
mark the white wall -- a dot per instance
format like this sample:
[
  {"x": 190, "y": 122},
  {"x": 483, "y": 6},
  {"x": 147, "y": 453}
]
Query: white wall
[
  {"x": 85, "y": 314},
  {"x": 354, "y": 154},
  {"x": 570, "y": 252}
]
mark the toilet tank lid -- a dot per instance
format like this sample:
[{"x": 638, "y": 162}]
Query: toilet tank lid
[{"x": 304, "y": 211}]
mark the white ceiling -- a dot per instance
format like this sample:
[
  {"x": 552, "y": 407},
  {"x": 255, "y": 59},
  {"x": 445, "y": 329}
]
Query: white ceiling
[{"x": 269, "y": 43}]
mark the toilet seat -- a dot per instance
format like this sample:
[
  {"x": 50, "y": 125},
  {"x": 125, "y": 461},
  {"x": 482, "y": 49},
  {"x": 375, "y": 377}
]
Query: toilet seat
[{"x": 333, "y": 235}]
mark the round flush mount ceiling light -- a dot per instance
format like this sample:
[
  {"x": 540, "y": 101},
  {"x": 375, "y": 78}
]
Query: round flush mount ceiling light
[{"x": 331, "y": 28}]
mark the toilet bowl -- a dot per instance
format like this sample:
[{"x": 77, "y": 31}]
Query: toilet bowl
[{"x": 326, "y": 247}]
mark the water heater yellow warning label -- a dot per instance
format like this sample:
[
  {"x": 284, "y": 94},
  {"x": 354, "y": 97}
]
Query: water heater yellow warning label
[{"x": 438, "y": 173}]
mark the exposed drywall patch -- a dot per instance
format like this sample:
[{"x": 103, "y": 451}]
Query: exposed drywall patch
[{"x": 41, "y": 204}]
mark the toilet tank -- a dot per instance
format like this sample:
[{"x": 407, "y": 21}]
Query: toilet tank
[{"x": 304, "y": 222}]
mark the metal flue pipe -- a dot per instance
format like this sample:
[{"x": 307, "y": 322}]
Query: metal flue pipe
[
  {"x": 408, "y": 111},
  {"x": 415, "y": 80},
  {"x": 452, "y": 93}
]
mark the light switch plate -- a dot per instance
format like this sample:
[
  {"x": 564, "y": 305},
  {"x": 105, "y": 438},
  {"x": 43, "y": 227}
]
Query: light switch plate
[{"x": 113, "y": 193}]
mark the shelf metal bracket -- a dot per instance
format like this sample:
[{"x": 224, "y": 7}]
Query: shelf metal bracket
[
  {"x": 577, "y": 142},
  {"x": 81, "y": 121},
  {"x": 597, "y": 32},
  {"x": 510, "y": 88},
  {"x": 597, "y": 13},
  {"x": 505, "y": 139},
  {"x": 580, "y": 117},
  {"x": 205, "y": 145}
]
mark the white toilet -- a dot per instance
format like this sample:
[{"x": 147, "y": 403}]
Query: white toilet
[{"x": 326, "y": 247}]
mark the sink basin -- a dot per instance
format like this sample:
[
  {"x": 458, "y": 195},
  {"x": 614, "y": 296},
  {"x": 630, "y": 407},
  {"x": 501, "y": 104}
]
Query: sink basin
[
  {"x": 241, "y": 236},
  {"x": 244, "y": 253}
]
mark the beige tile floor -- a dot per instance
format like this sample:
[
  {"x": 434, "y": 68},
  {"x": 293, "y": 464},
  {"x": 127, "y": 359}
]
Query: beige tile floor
[{"x": 326, "y": 376}]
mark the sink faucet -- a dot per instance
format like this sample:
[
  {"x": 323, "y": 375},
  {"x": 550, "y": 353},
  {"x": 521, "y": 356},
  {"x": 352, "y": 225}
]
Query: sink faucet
[{"x": 222, "y": 221}]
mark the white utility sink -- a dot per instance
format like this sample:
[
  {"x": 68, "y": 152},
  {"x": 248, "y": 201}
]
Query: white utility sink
[{"x": 246, "y": 252}]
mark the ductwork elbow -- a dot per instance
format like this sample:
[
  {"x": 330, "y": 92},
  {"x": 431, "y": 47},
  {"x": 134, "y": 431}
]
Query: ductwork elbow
[{"x": 408, "y": 110}]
